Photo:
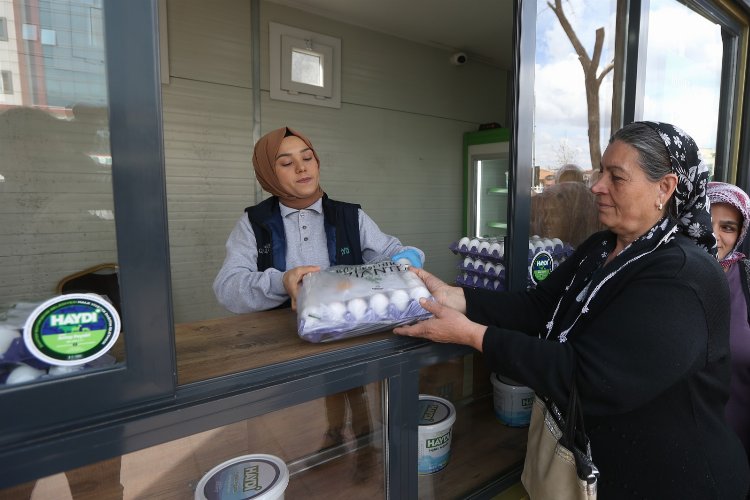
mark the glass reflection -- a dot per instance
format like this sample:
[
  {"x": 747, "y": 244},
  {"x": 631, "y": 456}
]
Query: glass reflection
[
  {"x": 352, "y": 467},
  {"x": 56, "y": 208},
  {"x": 573, "y": 121},
  {"x": 684, "y": 66}
]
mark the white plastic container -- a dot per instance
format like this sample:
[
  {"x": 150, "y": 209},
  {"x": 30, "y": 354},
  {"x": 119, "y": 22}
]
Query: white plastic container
[
  {"x": 260, "y": 477},
  {"x": 436, "y": 418},
  {"x": 513, "y": 401}
]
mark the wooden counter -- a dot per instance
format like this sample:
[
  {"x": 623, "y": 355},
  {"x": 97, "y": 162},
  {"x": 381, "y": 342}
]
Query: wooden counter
[{"x": 223, "y": 346}]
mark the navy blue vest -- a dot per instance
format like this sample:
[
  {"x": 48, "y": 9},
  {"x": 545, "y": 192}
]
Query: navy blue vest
[{"x": 341, "y": 221}]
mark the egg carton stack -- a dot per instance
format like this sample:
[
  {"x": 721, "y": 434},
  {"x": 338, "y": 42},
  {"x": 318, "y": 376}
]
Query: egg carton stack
[
  {"x": 483, "y": 264},
  {"x": 483, "y": 259},
  {"x": 554, "y": 246}
]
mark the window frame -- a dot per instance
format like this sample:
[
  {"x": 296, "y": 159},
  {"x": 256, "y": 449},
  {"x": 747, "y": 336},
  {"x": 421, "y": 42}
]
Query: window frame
[
  {"x": 138, "y": 189},
  {"x": 282, "y": 42}
]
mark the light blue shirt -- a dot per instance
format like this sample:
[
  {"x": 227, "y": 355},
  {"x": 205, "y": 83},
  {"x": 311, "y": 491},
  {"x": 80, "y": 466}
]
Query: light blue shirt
[{"x": 241, "y": 288}]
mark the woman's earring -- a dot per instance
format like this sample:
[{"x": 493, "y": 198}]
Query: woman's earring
[{"x": 661, "y": 206}]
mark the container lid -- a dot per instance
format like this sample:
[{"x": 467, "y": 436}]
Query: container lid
[
  {"x": 71, "y": 329},
  {"x": 505, "y": 380},
  {"x": 263, "y": 477},
  {"x": 435, "y": 413}
]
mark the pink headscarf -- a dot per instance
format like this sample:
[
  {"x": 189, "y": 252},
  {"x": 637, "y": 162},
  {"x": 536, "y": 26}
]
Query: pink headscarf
[{"x": 721, "y": 192}]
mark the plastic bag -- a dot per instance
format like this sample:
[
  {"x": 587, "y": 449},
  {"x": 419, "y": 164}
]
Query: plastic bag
[{"x": 347, "y": 301}]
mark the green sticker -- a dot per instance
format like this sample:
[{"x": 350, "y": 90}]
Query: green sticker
[{"x": 541, "y": 266}]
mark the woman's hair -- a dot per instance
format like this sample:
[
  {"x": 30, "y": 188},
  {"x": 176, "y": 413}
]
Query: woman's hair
[
  {"x": 570, "y": 172},
  {"x": 567, "y": 211},
  {"x": 653, "y": 156}
]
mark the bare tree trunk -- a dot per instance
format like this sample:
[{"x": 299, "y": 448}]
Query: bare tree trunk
[{"x": 592, "y": 82}]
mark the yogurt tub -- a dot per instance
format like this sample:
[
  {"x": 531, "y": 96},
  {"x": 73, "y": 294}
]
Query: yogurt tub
[
  {"x": 263, "y": 477},
  {"x": 436, "y": 418},
  {"x": 513, "y": 401}
]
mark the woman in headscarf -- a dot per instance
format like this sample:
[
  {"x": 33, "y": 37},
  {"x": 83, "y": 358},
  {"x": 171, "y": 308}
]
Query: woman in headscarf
[
  {"x": 638, "y": 316},
  {"x": 296, "y": 231},
  {"x": 730, "y": 213}
]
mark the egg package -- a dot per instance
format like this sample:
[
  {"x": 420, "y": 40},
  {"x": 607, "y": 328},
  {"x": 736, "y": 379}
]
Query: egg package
[{"x": 348, "y": 301}]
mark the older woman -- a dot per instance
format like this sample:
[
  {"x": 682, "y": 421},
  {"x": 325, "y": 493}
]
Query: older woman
[
  {"x": 639, "y": 314},
  {"x": 730, "y": 213}
]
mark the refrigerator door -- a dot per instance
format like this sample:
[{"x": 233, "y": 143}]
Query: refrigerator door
[{"x": 487, "y": 196}]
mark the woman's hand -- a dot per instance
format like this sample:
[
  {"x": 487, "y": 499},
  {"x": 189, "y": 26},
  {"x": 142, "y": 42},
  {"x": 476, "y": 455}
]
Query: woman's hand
[
  {"x": 292, "y": 280},
  {"x": 450, "y": 296},
  {"x": 447, "y": 325}
]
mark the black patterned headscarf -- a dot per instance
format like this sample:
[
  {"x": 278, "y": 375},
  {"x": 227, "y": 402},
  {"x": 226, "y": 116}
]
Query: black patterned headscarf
[
  {"x": 691, "y": 200},
  {"x": 692, "y": 218}
]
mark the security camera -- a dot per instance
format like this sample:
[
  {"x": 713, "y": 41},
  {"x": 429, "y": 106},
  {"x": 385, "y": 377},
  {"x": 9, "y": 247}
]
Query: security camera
[{"x": 458, "y": 59}]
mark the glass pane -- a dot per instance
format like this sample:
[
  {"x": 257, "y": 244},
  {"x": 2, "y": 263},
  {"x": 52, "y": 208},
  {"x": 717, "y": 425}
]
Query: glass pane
[
  {"x": 477, "y": 439},
  {"x": 331, "y": 447},
  {"x": 57, "y": 226},
  {"x": 684, "y": 66},
  {"x": 307, "y": 67},
  {"x": 209, "y": 130},
  {"x": 572, "y": 118}
]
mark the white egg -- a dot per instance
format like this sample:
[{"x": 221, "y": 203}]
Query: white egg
[
  {"x": 379, "y": 304},
  {"x": 400, "y": 299},
  {"x": 469, "y": 263},
  {"x": 531, "y": 247},
  {"x": 463, "y": 243},
  {"x": 311, "y": 315},
  {"x": 486, "y": 282},
  {"x": 496, "y": 249},
  {"x": 418, "y": 293},
  {"x": 556, "y": 242},
  {"x": 499, "y": 268},
  {"x": 538, "y": 246},
  {"x": 336, "y": 311},
  {"x": 63, "y": 370},
  {"x": 23, "y": 373},
  {"x": 480, "y": 265},
  {"x": 474, "y": 245},
  {"x": 7, "y": 334},
  {"x": 358, "y": 308},
  {"x": 485, "y": 245},
  {"x": 535, "y": 237}
]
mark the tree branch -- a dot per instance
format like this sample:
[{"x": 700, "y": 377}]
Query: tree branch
[{"x": 577, "y": 45}]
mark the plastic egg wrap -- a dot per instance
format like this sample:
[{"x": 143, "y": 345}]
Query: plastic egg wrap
[{"x": 348, "y": 301}]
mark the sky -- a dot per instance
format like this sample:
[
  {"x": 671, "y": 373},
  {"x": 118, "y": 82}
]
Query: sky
[{"x": 683, "y": 71}]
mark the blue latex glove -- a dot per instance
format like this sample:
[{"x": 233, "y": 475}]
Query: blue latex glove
[{"x": 411, "y": 255}]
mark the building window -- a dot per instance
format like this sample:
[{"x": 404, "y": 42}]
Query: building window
[
  {"x": 305, "y": 66},
  {"x": 6, "y": 82},
  {"x": 3, "y": 29},
  {"x": 29, "y": 32},
  {"x": 49, "y": 37}
]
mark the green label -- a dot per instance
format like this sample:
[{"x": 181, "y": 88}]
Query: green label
[
  {"x": 540, "y": 267},
  {"x": 72, "y": 329}
]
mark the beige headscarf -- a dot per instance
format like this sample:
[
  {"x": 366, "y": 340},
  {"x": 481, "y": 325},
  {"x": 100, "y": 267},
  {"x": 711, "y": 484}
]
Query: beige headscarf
[{"x": 264, "y": 158}]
